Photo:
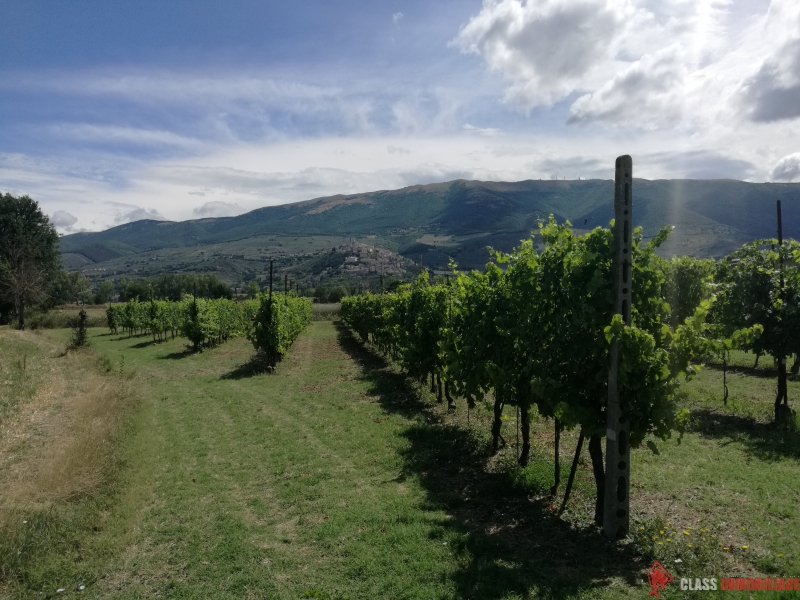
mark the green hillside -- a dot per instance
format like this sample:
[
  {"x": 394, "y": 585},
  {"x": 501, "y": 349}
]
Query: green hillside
[{"x": 456, "y": 220}]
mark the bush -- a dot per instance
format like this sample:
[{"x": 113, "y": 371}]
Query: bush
[{"x": 79, "y": 331}]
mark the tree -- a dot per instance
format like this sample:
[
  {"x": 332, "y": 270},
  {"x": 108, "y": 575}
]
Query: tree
[
  {"x": 67, "y": 288},
  {"x": 133, "y": 288},
  {"x": 174, "y": 287},
  {"x": 252, "y": 289},
  {"x": 325, "y": 294},
  {"x": 29, "y": 253},
  {"x": 104, "y": 292}
]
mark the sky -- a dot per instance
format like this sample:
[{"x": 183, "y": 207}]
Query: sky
[{"x": 111, "y": 112}]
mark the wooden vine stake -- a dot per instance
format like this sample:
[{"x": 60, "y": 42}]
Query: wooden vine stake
[{"x": 616, "y": 505}]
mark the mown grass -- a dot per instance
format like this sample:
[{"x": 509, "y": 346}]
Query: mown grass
[
  {"x": 338, "y": 477},
  {"x": 733, "y": 476}
]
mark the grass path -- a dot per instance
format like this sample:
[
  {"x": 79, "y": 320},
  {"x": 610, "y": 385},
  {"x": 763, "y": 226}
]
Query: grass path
[
  {"x": 327, "y": 479},
  {"x": 335, "y": 478},
  {"x": 268, "y": 486}
]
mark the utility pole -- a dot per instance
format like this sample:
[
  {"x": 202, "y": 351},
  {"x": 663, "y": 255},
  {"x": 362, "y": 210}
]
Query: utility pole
[{"x": 616, "y": 502}]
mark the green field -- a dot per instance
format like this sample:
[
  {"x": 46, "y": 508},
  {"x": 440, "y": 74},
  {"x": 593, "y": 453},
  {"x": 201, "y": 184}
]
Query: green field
[{"x": 338, "y": 477}]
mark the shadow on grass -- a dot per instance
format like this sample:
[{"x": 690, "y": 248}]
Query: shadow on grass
[
  {"x": 513, "y": 543},
  {"x": 188, "y": 351},
  {"x": 121, "y": 337},
  {"x": 257, "y": 365},
  {"x": 765, "y": 440},
  {"x": 760, "y": 372},
  {"x": 145, "y": 344},
  {"x": 151, "y": 342}
]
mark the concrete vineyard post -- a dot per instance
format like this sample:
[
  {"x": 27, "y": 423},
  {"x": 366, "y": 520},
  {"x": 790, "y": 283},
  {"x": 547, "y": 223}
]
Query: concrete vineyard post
[
  {"x": 270, "y": 280},
  {"x": 782, "y": 398},
  {"x": 616, "y": 506}
]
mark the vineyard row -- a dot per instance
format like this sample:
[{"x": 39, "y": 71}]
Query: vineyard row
[
  {"x": 271, "y": 321},
  {"x": 534, "y": 330}
]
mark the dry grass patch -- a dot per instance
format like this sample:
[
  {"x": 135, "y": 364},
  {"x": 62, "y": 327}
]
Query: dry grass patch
[
  {"x": 56, "y": 447},
  {"x": 59, "y": 444}
]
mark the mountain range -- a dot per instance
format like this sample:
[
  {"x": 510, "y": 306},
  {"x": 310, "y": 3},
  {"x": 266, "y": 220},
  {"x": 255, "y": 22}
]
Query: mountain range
[{"x": 434, "y": 223}]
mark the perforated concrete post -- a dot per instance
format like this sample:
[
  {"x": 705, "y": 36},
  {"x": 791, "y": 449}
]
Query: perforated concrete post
[{"x": 616, "y": 515}]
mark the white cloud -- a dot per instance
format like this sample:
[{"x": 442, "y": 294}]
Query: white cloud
[
  {"x": 699, "y": 164},
  {"x": 695, "y": 65},
  {"x": 182, "y": 88},
  {"x": 646, "y": 94},
  {"x": 546, "y": 49},
  {"x": 787, "y": 168},
  {"x": 572, "y": 167},
  {"x": 241, "y": 105},
  {"x": 396, "y": 17},
  {"x": 397, "y": 150},
  {"x": 674, "y": 164},
  {"x": 64, "y": 221},
  {"x": 217, "y": 209},
  {"x": 222, "y": 108},
  {"x": 124, "y": 135},
  {"x": 485, "y": 131},
  {"x": 773, "y": 93},
  {"x": 137, "y": 214}
]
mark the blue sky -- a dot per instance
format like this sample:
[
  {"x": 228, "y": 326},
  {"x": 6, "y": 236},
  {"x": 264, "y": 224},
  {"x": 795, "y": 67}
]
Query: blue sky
[{"x": 116, "y": 111}]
